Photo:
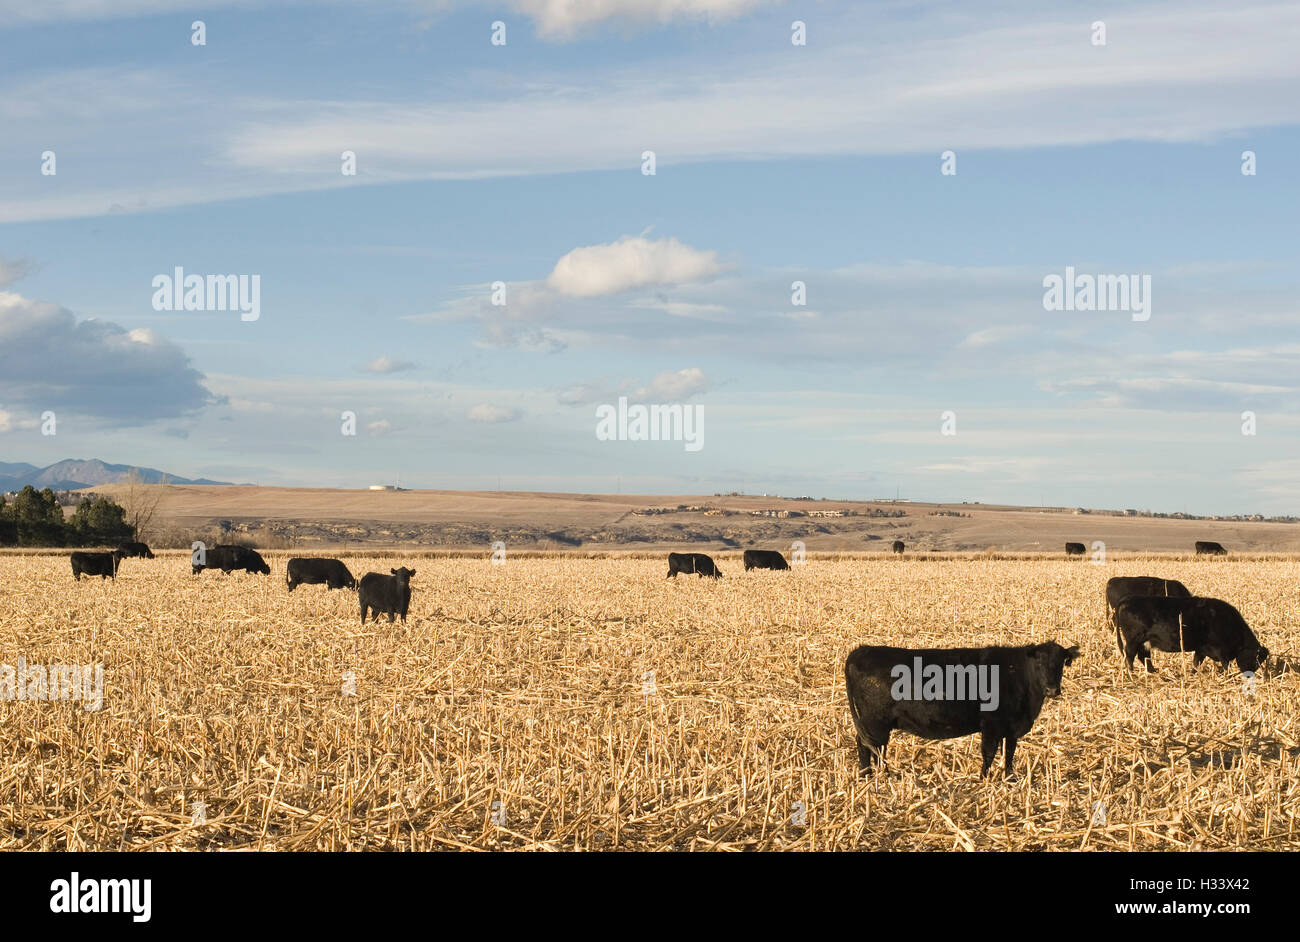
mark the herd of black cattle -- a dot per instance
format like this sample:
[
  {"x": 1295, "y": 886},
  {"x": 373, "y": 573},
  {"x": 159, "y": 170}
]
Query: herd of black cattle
[{"x": 1148, "y": 614}]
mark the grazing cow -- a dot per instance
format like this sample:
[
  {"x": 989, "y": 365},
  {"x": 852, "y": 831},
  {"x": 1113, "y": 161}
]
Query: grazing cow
[
  {"x": 388, "y": 594},
  {"x": 331, "y": 572},
  {"x": 104, "y": 565},
  {"x": 697, "y": 563},
  {"x": 898, "y": 547},
  {"x": 886, "y": 692},
  {"x": 1075, "y": 549},
  {"x": 135, "y": 549},
  {"x": 1207, "y": 627},
  {"x": 762, "y": 559},
  {"x": 1210, "y": 548},
  {"x": 1121, "y": 587},
  {"x": 226, "y": 558}
]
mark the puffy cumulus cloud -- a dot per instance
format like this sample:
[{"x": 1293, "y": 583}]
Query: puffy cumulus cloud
[
  {"x": 631, "y": 262},
  {"x": 561, "y": 19},
  {"x": 551, "y": 314},
  {"x": 670, "y": 385},
  {"x": 389, "y": 365},
  {"x": 50, "y": 360},
  {"x": 485, "y": 412}
]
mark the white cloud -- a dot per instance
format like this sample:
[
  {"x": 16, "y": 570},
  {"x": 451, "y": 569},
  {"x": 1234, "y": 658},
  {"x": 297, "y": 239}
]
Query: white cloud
[
  {"x": 485, "y": 412},
  {"x": 11, "y": 271},
  {"x": 561, "y": 19},
  {"x": 389, "y": 365},
  {"x": 631, "y": 262},
  {"x": 670, "y": 385}
]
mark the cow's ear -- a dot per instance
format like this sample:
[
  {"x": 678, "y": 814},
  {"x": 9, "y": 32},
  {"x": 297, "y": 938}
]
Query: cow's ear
[
  {"x": 393, "y": 571},
  {"x": 1071, "y": 654},
  {"x": 412, "y": 572}
]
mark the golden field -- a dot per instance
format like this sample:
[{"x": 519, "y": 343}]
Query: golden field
[{"x": 515, "y": 709}]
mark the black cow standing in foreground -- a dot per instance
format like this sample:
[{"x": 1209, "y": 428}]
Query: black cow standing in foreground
[
  {"x": 760, "y": 559},
  {"x": 898, "y": 547},
  {"x": 697, "y": 563},
  {"x": 104, "y": 565},
  {"x": 331, "y": 572},
  {"x": 1018, "y": 678},
  {"x": 1121, "y": 587},
  {"x": 1210, "y": 548},
  {"x": 388, "y": 594},
  {"x": 1207, "y": 627},
  {"x": 135, "y": 549},
  {"x": 1075, "y": 549},
  {"x": 226, "y": 558}
]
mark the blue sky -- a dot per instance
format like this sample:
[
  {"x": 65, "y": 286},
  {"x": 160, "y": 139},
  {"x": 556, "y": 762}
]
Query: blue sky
[{"x": 521, "y": 163}]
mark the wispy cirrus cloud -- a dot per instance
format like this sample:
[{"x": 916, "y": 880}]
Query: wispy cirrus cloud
[{"x": 1023, "y": 77}]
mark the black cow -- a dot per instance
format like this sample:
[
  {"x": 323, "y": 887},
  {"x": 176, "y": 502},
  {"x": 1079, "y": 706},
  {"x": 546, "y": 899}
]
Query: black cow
[
  {"x": 315, "y": 571},
  {"x": 227, "y": 558},
  {"x": 1016, "y": 681},
  {"x": 698, "y": 563},
  {"x": 388, "y": 594},
  {"x": 1207, "y": 627},
  {"x": 1075, "y": 549},
  {"x": 1121, "y": 587},
  {"x": 898, "y": 547},
  {"x": 135, "y": 549},
  {"x": 104, "y": 565},
  {"x": 1210, "y": 548},
  {"x": 760, "y": 559}
]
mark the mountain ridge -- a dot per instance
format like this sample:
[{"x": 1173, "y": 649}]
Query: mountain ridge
[{"x": 75, "y": 473}]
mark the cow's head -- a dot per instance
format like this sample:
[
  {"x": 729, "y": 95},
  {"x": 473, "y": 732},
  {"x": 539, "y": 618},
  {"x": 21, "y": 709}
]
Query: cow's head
[
  {"x": 403, "y": 575},
  {"x": 1047, "y": 664},
  {"x": 1252, "y": 657}
]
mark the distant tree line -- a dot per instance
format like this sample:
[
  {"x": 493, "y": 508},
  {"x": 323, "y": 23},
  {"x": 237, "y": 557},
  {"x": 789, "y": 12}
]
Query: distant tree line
[{"x": 35, "y": 518}]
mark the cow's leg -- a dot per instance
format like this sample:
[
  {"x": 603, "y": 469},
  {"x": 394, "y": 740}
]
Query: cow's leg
[
  {"x": 1010, "y": 754},
  {"x": 989, "y": 742},
  {"x": 363, "y": 613},
  {"x": 391, "y": 617},
  {"x": 1197, "y": 657},
  {"x": 1131, "y": 651},
  {"x": 871, "y": 748},
  {"x": 1146, "y": 659}
]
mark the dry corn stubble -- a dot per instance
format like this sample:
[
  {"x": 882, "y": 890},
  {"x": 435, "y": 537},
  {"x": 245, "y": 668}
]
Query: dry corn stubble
[{"x": 568, "y": 703}]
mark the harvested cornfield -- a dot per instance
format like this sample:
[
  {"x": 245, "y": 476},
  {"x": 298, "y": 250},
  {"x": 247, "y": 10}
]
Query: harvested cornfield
[{"x": 577, "y": 704}]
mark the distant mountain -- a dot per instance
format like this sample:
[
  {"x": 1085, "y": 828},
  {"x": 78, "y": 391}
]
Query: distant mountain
[{"x": 73, "y": 473}]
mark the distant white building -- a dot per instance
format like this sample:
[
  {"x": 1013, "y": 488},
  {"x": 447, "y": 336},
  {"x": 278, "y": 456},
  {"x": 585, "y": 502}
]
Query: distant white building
[{"x": 384, "y": 487}]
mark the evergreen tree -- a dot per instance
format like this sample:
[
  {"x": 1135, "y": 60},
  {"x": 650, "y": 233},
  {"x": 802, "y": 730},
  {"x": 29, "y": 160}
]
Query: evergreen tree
[{"x": 99, "y": 520}]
